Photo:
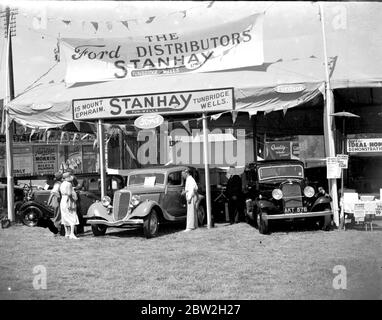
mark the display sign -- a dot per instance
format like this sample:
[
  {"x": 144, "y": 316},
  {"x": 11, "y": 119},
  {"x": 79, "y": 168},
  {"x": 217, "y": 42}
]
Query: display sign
[
  {"x": 343, "y": 160},
  {"x": 364, "y": 145},
  {"x": 22, "y": 161},
  {"x": 163, "y": 103},
  {"x": 174, "y": 50},
  {"x": 333, "y": 170},
  {"x": 290, "y": 88},
  {"x": 45, "y": 159},
  {"x": 148, "y": 121},
  {"x": 277, "y": 150}
]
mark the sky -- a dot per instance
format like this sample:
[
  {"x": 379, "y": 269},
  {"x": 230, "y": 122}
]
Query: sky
[{"x": 40, "y": 23}]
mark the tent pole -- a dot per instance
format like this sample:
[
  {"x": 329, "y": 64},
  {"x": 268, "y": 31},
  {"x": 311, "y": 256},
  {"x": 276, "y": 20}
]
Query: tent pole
[
  {"x": 9, "y": 93},
  {"x": 254, "y": 130},
  {"x": 206, "y": 171},
  {"x": 102, "y": 168},
  {"x": 329, "y": 124}
]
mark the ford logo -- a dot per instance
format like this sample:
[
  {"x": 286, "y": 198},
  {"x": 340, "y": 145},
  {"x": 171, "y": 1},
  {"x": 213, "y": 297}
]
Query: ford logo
[{"x": 148, "y": 121}]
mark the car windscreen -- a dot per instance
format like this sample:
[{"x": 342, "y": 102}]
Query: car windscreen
[
  {"x": 284, "y": 171},
  {"x": 146, "y": 179}
]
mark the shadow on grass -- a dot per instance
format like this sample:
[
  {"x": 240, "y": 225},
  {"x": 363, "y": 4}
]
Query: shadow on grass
[{"x": 164, "y": 229}]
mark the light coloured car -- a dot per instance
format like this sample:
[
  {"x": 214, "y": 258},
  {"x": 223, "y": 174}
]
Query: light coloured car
[{"x": 152, "y": 196}]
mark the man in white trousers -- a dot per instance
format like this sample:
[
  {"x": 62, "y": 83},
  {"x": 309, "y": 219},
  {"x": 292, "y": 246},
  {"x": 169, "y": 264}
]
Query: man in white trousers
[{"x": 191, "y": 193}]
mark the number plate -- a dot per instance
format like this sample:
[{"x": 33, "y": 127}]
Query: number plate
[{"x": 296, "y": 210}]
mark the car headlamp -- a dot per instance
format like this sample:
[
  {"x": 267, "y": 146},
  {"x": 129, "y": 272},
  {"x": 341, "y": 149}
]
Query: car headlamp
[
  {"x": 135, "y": 200},
  {"x": 106, "y": 201},
  {"x": 277, "y": 194},
  {"x": 309, "y": 191}
]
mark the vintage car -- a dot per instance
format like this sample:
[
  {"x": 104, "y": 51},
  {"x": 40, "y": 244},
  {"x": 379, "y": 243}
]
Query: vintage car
[
  {"x": 88, "y": 192},
  {"x": 280, "y": 192},
  {"x": 18, "y": 199},
  {"x": 151, "y": 197}
]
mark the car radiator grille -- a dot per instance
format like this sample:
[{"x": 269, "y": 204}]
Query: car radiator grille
[
  {"x": 292, "y": 195},
  {"x": 121, "y": 205}
]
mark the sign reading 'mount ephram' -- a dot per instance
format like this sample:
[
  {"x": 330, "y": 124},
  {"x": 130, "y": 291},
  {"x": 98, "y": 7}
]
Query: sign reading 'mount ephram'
[{"x": 162, "y": 103}]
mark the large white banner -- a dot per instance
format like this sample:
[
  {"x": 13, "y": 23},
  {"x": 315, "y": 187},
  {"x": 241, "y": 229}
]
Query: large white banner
[
  {"x": 232, "y": 45},
  {"x": 162, "y": 103}
]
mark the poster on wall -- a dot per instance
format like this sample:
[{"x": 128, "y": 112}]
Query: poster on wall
[
  {"x": 277, "y": 150},
  {"x": 333, "y": 168},
  {"x": 172, "y": 50},
  {"x": 22, "y": 161},
  {"x": 74, "y": 159},
  {"x": 89, "y": 159},
  {"x": 45, "y": 159}
]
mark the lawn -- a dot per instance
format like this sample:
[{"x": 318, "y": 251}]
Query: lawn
[{"x": 225, "y": 262}]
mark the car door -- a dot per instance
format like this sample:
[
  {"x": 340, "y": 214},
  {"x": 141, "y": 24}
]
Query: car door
[{"x": 174, "y": 202}]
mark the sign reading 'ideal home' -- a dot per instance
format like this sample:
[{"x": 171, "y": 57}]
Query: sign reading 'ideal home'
[{"x": 161, "y": 103}]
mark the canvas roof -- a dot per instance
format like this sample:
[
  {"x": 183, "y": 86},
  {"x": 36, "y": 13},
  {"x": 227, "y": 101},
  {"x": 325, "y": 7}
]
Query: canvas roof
[{"x": 293, "y": 52}]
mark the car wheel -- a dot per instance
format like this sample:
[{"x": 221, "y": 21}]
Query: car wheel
[
  {"x": 151, "y": 225},
  {"x": 262, "y": 224},
  {"x": 201, "y": 213},
  {"x": 30, "y": 216},
  {"x": 326, "y": 222},
  {"x": 99, "y": 229}
]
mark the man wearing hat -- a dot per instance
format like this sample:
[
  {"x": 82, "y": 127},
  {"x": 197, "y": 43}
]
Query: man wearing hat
[
  {"x": 68, "y": 206},
  {"x": 55, "y": 198}
]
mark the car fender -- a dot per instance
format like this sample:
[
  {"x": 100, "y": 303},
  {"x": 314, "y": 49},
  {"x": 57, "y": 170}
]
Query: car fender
[
  {"x": 320, "y": 202},
  {"x": 265, "y": 205},
  {"x": 97, "y": 210},
  {"x": 144, "y": 208},
  {"x": 34, "y": 204}
]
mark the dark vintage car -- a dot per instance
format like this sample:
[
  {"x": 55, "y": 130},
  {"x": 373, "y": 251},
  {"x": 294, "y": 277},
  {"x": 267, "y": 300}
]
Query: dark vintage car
[
  {"x": 151, "y": 197},
  {"x": 19, "y": 193},
  {"x": 280, "y": 191},
  {"x": 88, "y": 191}
]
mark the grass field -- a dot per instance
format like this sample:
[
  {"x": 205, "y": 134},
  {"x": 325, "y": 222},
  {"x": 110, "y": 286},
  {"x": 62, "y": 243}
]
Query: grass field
[{"x": 225, "y": 262}]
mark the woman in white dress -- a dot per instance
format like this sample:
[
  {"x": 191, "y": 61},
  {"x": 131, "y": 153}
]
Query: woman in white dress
[{"x": 68, "y": 206}]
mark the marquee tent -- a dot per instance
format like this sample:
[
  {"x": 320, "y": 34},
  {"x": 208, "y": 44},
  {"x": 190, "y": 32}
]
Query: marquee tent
[{"x": 293, "y": 57}]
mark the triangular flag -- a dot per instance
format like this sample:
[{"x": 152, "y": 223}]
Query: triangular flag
[
  {"x": 48, "y": 134},
  {"x": 125, "y": 23},
  {"x": 32, "y": 133},
  {"x": 95, "y": 25},
  {"x": 184, "y": 13},
  {"x": 109, "y": 25},
  {"x": 95, "y": 141},
  {"x": 285, "y": 110},
  {"x": 67, "y": 23},
  {"x": 150, "y": 20},
  {"x": 63, "y": 133},
  {"x": 210, "y": 4},
  {"x": 234, "y": 116},
  {"x": 186, "y": 124},
  {"x": 83, "y": 25},
  {"x": 77, "y": 124},
  {"x": 216, "y": 116}
]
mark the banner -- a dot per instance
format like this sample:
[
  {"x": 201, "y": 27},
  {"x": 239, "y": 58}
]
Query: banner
[
  {"x": 364, "y": 145},
  {"x": 45, "y": 159},
  {"x": 163, "y": 103},
  {"x": 231, "y": 45}
]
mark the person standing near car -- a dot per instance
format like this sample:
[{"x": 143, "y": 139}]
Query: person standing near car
[
  {"x": 68, "y": 206},
  {"x": 55, "y": 198},
  {"x": 190, "y": 191},
  {"x": 234, "y": 193}
]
